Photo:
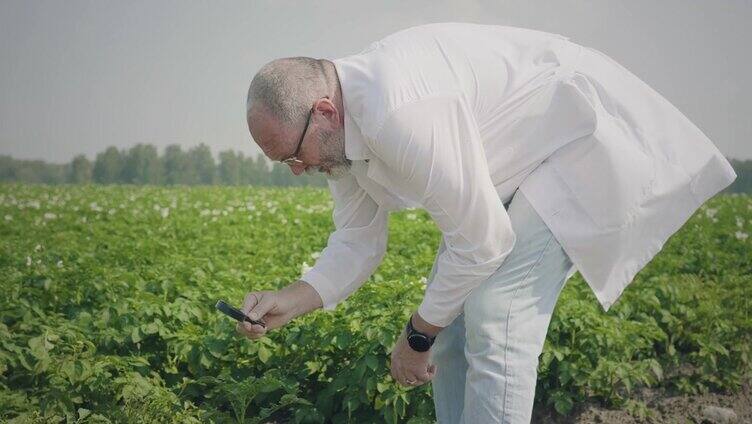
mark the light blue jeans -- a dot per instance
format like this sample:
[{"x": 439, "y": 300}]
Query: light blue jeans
[{"x": 487, "y": 358}]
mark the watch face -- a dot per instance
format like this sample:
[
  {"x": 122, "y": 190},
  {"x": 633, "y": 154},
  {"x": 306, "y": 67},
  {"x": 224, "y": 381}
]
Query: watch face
[{"x": 418, "y": 343}]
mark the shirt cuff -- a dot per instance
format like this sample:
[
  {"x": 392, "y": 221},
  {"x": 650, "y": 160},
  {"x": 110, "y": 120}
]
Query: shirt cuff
[
  {"x": 326, "y": 289},
  {"x": 435, "y": 315}
]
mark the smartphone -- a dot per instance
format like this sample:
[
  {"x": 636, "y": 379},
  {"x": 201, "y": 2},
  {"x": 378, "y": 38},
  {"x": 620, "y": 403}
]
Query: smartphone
[{"x": 236, "y": 313}]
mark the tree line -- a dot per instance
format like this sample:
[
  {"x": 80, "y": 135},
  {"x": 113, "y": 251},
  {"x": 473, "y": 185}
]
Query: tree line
[
  {"x": 142, "y": 164},
  {"x": 743, "y": 181}
]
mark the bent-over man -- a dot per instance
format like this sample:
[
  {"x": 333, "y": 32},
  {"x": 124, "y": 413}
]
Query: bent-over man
[{"x": 534, "y": 155}]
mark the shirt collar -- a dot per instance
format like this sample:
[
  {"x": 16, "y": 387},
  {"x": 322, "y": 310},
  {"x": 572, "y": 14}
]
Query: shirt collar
[{"x": 355, "y": 146}]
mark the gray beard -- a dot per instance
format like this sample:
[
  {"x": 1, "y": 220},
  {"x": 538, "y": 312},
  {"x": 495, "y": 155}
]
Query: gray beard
[{"x": 333, "y": 156}]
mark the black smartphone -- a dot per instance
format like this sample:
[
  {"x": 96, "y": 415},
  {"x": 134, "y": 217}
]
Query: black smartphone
[{"x": 236, "y": 313}]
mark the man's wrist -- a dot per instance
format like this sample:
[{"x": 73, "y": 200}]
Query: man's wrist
[
  {"x": 304, "y": 297},
  {"x": 424, "y": 327}
]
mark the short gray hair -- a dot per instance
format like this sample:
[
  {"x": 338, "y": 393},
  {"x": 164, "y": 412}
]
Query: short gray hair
[{"x": 287, "y": 87}]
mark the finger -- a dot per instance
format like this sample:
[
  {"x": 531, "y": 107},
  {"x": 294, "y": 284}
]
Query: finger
[
  {"x": 423, "y": 377},
  {"x": 254, "y": 331},
  {"x": 251, "y": 299},
  {"x": 403, "y": 377},
  {"x": 414, "y": 378},
  {"x": 266, "y": 303}
]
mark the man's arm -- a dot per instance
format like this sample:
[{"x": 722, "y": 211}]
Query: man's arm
[
  {"x": 354, "y": 249},
  {"x": 434, "y": 146}
]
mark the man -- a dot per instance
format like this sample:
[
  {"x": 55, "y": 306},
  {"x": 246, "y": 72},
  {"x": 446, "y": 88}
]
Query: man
[{"x": 535, "y": 156}]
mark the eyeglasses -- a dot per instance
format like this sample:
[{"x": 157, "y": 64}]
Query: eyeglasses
[{"x": 293, "y": 160}]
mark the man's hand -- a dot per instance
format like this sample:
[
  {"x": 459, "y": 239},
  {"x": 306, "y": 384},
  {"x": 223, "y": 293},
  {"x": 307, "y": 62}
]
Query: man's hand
[
  {"x": 277, "y": 308},
  {"x": 408, "y": 364}
]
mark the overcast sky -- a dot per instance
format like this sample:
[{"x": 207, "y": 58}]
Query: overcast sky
[{"x": 78, "y": 76}]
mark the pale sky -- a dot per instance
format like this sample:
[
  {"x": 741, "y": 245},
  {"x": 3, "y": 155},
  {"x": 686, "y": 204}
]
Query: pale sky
[{"x": 78, "y": 76}]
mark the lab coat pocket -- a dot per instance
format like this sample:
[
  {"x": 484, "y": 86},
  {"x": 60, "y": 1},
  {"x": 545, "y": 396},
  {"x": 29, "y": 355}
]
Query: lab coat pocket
[{"x": 607, "y": 172}]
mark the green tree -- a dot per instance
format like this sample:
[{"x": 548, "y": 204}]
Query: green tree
[
  {"x": 175, "y": 164},
  {"x": 230, "y": 165},
  {"x": 80, "y": 170},
  {"x": 108, "y": 166},
  {"x": 202, "y": 165},
  {"x": 142, "y": 165},
  {"x": 743, "y": 182},
  {"x": 255, "y": 171}
]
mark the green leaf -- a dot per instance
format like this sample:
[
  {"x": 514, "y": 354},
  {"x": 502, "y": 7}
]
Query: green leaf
[
  {"x": 372, "y": 362},
  {"x": 264, "y": 354},
  {"x": 563, "y": 405},
  {"x": 135, "y": 335}
]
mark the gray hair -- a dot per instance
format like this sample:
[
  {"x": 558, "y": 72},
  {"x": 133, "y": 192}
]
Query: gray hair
[{"x": 287, "y": 87}]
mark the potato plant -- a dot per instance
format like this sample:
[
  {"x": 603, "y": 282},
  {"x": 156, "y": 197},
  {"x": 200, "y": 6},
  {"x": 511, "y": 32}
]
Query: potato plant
[{"x": 108, "y": 296}]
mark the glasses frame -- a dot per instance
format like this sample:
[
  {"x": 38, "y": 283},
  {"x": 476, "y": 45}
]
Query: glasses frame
[{"x": 293, "y": 159}]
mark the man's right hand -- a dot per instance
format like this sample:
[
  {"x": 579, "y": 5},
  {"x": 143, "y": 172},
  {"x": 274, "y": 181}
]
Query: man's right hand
[{"x": 277, "y": 308}]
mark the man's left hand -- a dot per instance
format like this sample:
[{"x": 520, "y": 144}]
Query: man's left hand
[{"x": 409, "y": 365}]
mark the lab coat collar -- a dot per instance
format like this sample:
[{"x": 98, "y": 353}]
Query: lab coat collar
[{"x": 355, "y": 146}]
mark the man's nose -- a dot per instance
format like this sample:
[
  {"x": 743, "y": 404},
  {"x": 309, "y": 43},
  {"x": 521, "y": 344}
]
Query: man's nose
[{"x": 297, "y": 169}]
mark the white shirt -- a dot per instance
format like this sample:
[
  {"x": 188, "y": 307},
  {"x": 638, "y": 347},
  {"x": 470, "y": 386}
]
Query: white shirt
[{"x": 454, "y": 118}]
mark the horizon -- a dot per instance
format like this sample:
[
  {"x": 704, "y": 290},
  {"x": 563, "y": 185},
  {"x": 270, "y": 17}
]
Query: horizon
[{"x": 81, "y": 76}]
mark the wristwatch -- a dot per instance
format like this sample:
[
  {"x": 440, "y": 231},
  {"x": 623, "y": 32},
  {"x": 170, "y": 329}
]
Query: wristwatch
[{"x": 418, "y": 341}]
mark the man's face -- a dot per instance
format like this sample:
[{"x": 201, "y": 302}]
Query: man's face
[{"x": 322, "y": 148}]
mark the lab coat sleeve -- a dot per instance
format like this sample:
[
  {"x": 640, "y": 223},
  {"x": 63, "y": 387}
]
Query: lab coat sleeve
[
  {"x": 433, "y": 147},
  {"x": 354, "y": 249}
]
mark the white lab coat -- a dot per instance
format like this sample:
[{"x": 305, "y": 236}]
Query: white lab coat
[{"x": 454, "y": 118}]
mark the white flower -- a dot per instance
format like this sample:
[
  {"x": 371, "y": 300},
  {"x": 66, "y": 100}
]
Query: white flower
[
  {"x": 59, "y": 264},
  {"x": 305, "y": 268},
  {"x": 8, "y": 218},
  {"x": 28, "y": 261},
  {"x": 205, "y": 212},
  {"x": 741, "y": 235},
  {"x": 412, "y": 216},
  {"x": 710, "y": 212},
  {"x": 111, "y": 211},
  {"x": 297, "y": 221},
  {"x": 50, "y": 215},
  {"x": 37, "y": 248},
  {"x": 739, "y": 222},
  {"x": 315, "y": 255},
  {"x": 423, "y": 281},
  {"x": 165, "y": 212}
]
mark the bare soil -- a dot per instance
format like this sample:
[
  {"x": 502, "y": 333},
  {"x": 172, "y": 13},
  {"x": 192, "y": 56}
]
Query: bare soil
[{"x": 662, "y": 407}]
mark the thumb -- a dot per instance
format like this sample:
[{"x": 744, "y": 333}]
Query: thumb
[{"x": 265, "y": 303}]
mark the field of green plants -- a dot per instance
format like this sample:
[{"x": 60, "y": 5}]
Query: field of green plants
[{"x": 108, "y": 312}]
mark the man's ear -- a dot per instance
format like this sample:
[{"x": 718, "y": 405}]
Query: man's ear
[{"x": 327, "y": 108}]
